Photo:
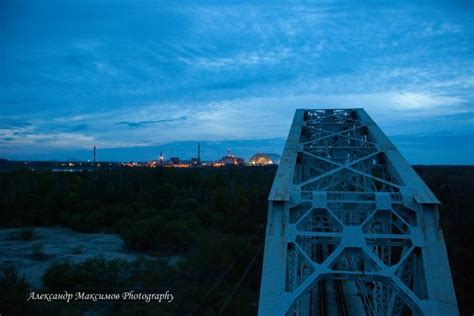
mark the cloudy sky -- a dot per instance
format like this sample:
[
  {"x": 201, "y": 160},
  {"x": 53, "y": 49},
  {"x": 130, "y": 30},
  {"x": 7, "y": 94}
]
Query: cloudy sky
[{"x": 137, "y": 77}]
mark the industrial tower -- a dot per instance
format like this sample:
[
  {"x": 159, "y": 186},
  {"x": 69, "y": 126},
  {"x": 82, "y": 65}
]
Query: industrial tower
[{"x": 352, "y": 229}]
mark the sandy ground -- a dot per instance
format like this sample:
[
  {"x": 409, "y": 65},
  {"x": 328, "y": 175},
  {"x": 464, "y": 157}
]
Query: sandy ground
[{"x": 57, "y": 244}]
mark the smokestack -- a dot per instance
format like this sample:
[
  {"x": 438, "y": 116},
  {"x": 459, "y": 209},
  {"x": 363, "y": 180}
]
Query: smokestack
[
  {"x": 95, "y": 156},
  {"x": 199, "y": 153}
]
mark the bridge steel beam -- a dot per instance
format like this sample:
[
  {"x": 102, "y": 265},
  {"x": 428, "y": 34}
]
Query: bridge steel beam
[{"x": 352, "y": 229}]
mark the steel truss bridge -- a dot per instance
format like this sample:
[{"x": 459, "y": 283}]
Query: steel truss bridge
[{"x": 352, "y": 229}]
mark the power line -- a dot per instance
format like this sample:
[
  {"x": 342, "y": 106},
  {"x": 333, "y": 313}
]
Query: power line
[
  {"x": 229, "y": 267},
  {"x": 240, "y": 280}
]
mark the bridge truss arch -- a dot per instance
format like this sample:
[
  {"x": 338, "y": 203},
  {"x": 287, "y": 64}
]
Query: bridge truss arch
[{"x": 352, "y": 229}]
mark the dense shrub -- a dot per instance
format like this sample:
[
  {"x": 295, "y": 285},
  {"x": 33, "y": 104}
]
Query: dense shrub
[
  {"x": 159, "y": 210},
  {"x": 163, "y": 234},
  {"x": 13, "y": 292}
]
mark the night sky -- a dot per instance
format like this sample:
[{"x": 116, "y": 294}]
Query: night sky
[{"x": 138, "y": 77}]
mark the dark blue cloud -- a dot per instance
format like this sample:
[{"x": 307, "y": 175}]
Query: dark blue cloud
[
  {"x": 144, "y": 123},
  {"x": 13, "y": 123}
]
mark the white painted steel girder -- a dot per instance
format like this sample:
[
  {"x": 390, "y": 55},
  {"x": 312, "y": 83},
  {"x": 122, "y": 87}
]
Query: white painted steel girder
[{"x": 352, "y": 229}]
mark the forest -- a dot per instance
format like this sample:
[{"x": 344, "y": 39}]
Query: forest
[{"x": 205, "y": 217}]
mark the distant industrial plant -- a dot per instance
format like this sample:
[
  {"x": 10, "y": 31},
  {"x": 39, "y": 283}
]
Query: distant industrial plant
[
  {"x": 228, "y": 160},
  {"x": 260, "y": 159}
]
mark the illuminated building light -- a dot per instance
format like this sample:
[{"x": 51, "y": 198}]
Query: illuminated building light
[{"x": 262, "y": 159}]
